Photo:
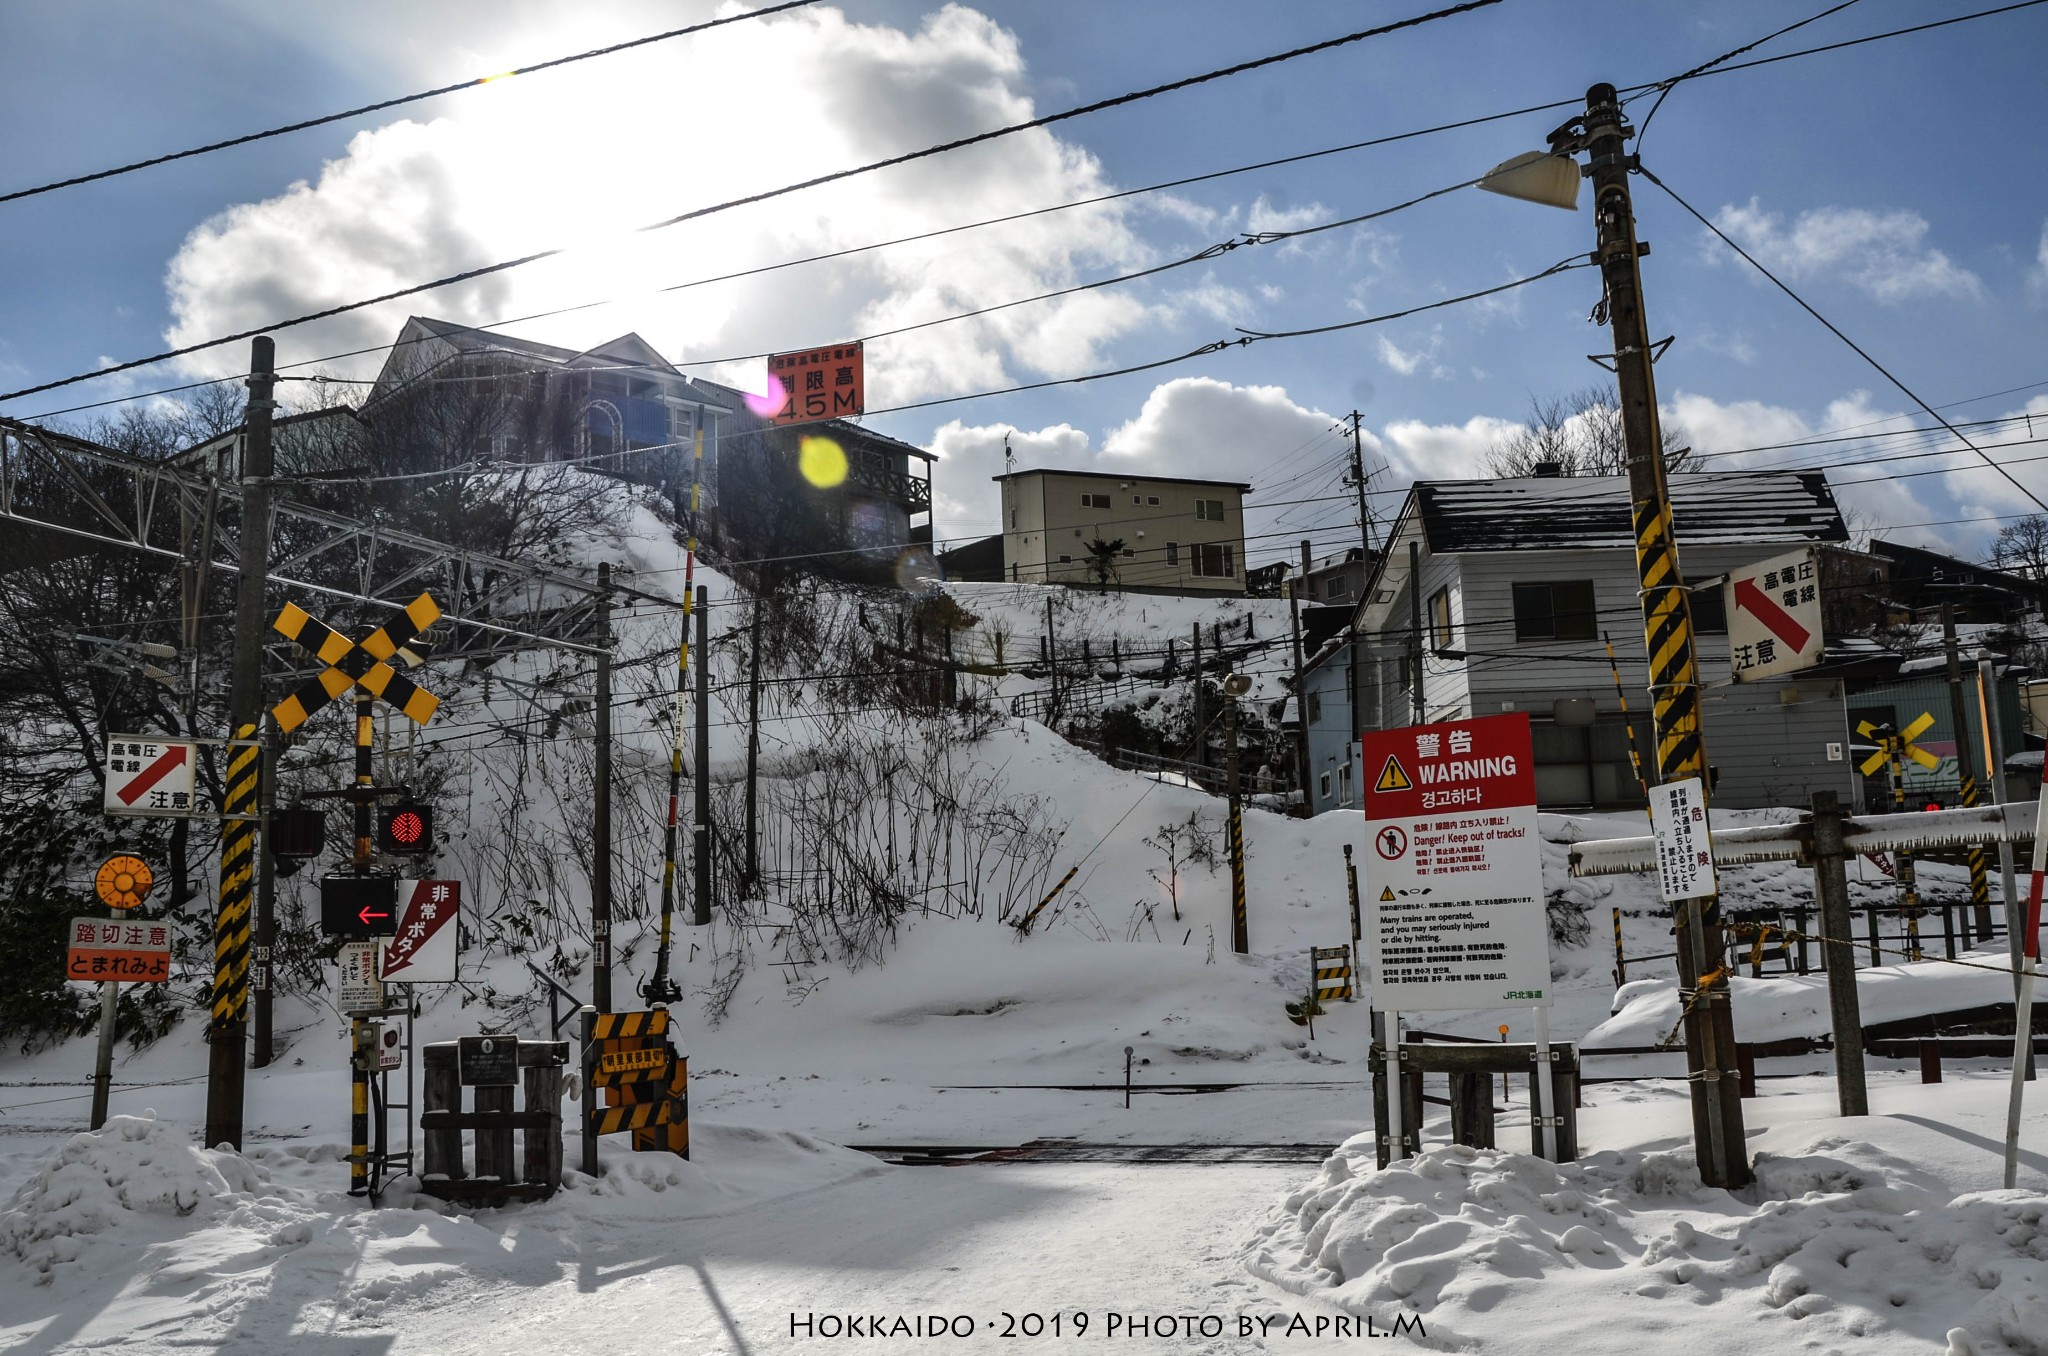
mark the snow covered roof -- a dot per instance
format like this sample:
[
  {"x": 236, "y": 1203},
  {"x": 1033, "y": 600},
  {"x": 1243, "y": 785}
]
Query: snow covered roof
[{"x": 1534, "y": 512}]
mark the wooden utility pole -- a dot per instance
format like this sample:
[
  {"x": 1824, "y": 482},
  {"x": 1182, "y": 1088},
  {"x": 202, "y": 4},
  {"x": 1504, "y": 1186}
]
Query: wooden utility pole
[
  {"x": 700, "y": 830},
  {"x": 228, "y": 1027},
  {"x": 1199, "y": 754},
  {"x": 601, "y": 849},
  {"x": 1668, "y": 636},
  {"x": 752, "y": 866},
  {"x": 1418, "y": 704},
  {"x": 1301, "y": 765},
  {"x": 1831, "y": 884}
]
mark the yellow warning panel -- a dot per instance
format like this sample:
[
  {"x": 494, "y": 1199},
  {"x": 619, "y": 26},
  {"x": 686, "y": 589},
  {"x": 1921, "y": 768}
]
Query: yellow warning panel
[
  {"x": 1386, "y": 894},
  {"x": 1393, "y": 777}
]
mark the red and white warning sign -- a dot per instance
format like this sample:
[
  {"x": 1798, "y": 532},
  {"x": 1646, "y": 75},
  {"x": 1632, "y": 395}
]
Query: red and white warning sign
[
  {"x": 149, "y": 776},
  {"x": 1455, "y": 879},
  {"x": 102, "y": 949},
  {"x": 1774, "y": 621},
  {"x": 422, "y": 950}
]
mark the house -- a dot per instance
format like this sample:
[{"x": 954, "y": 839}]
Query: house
[
  {"x": 450, "y": 394},
  {"x": 1921, "y": 580},
  {"x": 1338, "y": 578},
  {"x": 1331, "y": 738},
  {"x": 1137, "y": 533},
  {"x": 1506, "y": 595}
]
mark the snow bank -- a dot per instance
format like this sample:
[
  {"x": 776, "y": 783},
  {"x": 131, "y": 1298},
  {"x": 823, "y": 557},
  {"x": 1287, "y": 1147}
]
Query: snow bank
[
  {"x": 99, "y": 1182},
  {"x": 1843, "y": 1246}
]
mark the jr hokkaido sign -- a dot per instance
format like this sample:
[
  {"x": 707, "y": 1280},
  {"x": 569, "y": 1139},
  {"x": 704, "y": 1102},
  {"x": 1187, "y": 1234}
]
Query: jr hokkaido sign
[{"x": 1454, "y": 875}]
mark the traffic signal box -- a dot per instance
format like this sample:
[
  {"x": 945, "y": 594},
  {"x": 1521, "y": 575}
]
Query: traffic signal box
[
  {"x": 359, "y": 906},
  {"x": 405, "y": 829},
  {"x": 645, "y": 1082}
]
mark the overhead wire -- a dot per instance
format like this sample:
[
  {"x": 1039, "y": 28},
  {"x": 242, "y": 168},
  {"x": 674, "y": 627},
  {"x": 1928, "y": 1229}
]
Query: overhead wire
[
  {"x": 400, "y": 101},
  {"x": 768, "y": 195}
]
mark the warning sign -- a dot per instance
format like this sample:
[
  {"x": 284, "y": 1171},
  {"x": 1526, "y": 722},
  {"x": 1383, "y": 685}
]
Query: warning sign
[
  {"x": 1459, "y": 919},
  {"x": 148, "y": 776},
  {"x": 819, "y": 383},
  {"x": 421, "y": 950},
  {"x": 102, "y": 949},
  {"x": 1774, "y": 617}
]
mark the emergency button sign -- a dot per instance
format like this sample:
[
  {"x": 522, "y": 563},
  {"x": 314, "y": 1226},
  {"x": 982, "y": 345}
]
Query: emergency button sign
[{"x": 1457, "y": 916}]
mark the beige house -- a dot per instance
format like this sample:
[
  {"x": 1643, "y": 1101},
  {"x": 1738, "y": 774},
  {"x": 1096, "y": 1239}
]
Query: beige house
[{"x": 1178, "y": 536}]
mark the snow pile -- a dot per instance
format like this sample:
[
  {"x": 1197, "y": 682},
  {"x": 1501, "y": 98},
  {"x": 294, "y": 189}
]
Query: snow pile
[
  {"x": 1854, "y": 1246},
  {"x": 100, "y": 1182}
]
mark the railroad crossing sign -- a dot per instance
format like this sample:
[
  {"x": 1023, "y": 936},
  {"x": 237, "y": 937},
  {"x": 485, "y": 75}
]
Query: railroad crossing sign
[
  {"x": 352, "y": 664},
  {"x": 1885, "y": 737},
  {"x": 1774, "y": 617}
]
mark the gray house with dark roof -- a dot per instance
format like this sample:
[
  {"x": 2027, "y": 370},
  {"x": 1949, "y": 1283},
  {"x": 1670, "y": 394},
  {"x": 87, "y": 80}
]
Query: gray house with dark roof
[{"x": 1505, "y": 595}]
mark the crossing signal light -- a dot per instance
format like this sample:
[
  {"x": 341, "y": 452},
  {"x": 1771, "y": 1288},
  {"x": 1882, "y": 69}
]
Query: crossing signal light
[
  {"x": 405, "y": 830},
  {"x": 1931, "y": 805},
  {"x": 296, "y": 836}
]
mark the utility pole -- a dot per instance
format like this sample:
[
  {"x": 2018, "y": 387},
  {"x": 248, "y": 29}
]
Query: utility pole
[
  {"x": 700, "y": 831},
  {"x": 1980, "y": 885},
  {"x": 1234, "y": 686},
  {"x": 1301, "y": 766},
  {"x": 601, "y": 850},
  {"x": 752, "y": 867},
  {"x": 1421, "y": 715},
  {"x": 262, "y": 975},
  {"x": 228, "y": 1028},
  {"x": 1668, "y": 635},
  {"x": 1199, "y": 754},
  {"x": 1356, "y": 681}
]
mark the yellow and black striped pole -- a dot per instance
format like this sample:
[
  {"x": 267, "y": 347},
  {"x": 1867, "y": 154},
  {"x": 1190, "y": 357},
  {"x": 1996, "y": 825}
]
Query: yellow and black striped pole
[
  {"x": 232, "y": 925},
  {"x": 1620, "y": 960},
  {"x": 1667, "y": 631}
]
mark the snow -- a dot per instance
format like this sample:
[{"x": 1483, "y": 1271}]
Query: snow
[{"x": 1879, "y": 1234}]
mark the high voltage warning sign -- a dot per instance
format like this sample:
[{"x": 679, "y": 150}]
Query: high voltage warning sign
[
  {"x": 365, "y": 665},
  {"x": 1393, "y": 778}
]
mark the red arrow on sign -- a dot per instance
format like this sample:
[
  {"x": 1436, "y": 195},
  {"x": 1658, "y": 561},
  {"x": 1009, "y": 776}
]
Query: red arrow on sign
[
  {"x": 366, "y": 915},
  {"x": 151, "y": 775},
  {"x": 1765, "y": 609}
]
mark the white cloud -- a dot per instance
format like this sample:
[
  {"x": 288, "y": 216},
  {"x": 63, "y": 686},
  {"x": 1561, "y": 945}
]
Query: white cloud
[
  {"x": 2037, "y": 276},
  {"x": 1419, "y": 451},
  {"x": 585, "y": 153},
  {"x": 1409, "y": 361},
  {"x": 1885, "y": 254}
]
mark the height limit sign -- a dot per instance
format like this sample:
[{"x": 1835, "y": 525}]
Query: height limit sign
[{"x": 1454, "y": 879}]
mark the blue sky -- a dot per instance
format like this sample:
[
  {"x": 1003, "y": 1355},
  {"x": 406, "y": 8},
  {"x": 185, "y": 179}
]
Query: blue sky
[{"x": 1894, "y": 185}]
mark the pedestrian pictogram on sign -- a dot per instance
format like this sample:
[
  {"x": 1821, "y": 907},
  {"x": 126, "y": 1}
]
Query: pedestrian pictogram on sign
[
  {"x": 148, "y": 776},
  {"x": 1393, "y": 778},
  {"x": 1390, "y": 843},
  {"x": 351, "y": 665}
]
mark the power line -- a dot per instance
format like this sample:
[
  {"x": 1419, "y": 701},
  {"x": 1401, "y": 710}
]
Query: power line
[
  {"x": 767, "y": 195},
  {"x": 399, "y": 102},
  {"x": 1854, "y": 347}
]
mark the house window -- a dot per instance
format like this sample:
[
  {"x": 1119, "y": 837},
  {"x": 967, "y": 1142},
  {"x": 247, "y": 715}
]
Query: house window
[
  {"x": 1324, "y": 786},
  {"x": 1100, "y": 501},
  {"x": 1137, "y": 499},
  {"x": 1066, "y": 560},
  {"x": 1129, "y": 554},
  {"x": 1152, "y": 501},
  {"x": 1173, "y": 553},
  {"x": 1013, "y": 520},
  {"x": 1213, "y": 561},
  {"x": 1209, "y": 510},
  {"x": 1344, "y": 783},
  {"x": 1440, "y": 619},
  {"x": 1335, "y": 588},
  {"x": 1315, "y": 707},
  {"x": 1559, "y": 610},
  {"x": 1587, "y": 765},
  {"x": 1709, "y": 611}
]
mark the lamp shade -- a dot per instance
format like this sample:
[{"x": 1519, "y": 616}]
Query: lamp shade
[{"x": 1536, "y": 176}]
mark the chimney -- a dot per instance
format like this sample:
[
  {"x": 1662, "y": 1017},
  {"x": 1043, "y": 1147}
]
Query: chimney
[{"x": 1547, "y": 470}]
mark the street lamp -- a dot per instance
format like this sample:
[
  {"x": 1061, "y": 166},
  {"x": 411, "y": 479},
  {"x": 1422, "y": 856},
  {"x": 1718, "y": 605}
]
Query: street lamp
[{"x": 1551, "y": 178}]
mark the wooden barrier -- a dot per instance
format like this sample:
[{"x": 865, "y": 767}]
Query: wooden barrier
[{"x": 496, "y": 1180}]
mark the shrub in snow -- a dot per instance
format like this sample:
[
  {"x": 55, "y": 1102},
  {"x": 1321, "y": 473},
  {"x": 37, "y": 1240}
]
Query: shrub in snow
[{"x": 101, "y": 1181}]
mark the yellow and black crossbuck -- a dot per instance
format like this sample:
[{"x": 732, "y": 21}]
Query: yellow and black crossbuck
[{"x": 350, "y": 664}]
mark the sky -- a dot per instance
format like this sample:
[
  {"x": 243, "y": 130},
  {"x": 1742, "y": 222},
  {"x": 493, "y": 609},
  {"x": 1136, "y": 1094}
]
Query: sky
[{"x": 1891, "y": 185}]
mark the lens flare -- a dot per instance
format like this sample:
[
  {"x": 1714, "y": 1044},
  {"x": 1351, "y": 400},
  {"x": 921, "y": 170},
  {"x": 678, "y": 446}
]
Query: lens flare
[
  {"x": 917, "y": 572},
  {"x": 822, "y": 461}
]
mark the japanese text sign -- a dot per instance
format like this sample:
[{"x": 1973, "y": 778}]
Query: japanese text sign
[
  {"x": 148, "y": 776},
  {"x": 101, "y": 948},
  {"x": 818, "y": 383},
  {"x": 1454, "y": 877},
  {"x": 1774, "y": 617},
  {"x": 1685, "y": 856},
  {"x": 422, "y": 949}
]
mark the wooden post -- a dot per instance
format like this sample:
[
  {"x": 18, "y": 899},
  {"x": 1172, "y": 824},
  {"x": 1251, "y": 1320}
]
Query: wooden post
[
  {"x": 494, "y": 1147},
  {"x": 543, "y": 1148},
  {"x": 1831, "y": 883},
  {"x": 1472, "y": 1109},
  {"x": 441, "y": 1092},
  {"x": 1745, "y": 1069},
  {"x": 1930, "y": 1061}
]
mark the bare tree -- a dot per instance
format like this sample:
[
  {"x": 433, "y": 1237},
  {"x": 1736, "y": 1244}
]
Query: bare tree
[
  {"x": 2022, "y": 547},
  {"x": 1579, "y": 433}
]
